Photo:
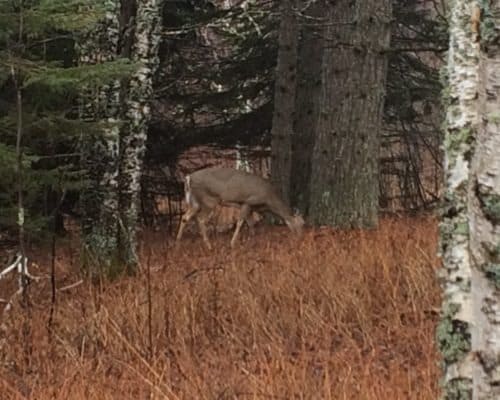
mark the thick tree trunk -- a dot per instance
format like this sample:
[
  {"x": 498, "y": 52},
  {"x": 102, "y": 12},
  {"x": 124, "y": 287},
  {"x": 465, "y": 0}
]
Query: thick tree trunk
[
  {"x": 284, "y": 101},
  {"x": 307, "y": 100},
  {"x": 462, "y": 120},
  {"x": 484, "y": 215},
  {"x": 344, "y": 175},
  {"x": 468, "y": 334},
  {"x": 100, "y": 156},
  {"x": 147, "y": 40}
]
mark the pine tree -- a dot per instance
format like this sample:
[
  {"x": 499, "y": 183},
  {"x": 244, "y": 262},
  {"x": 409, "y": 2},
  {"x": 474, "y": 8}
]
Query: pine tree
[
  {"x": 413, "y": 82},
  {"x": 344, "y": 174},
  {"x": 307, "y": 99},
  {"x": 284, "y": 100},
  {"x": 39, "y": 127}
]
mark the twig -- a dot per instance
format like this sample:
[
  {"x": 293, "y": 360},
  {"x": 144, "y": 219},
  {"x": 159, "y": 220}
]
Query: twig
[
  {"x": 71, "y": 286},
  {"x": 150, "y": 306},
  {"x": 53, "y": 263},
  {"x": 11, "y": 266},
  {"x": 21, "y": 264}
]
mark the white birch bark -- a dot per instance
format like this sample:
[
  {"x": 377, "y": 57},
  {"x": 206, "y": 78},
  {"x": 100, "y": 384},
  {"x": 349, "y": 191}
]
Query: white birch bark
[
  {"x": 242, "y": 162},
  {"x": 101, "y": 153},
  {"x": 484, "y": 216},
  {"x": 145, "y": 52},
  {"x": 468, "y": 334}
]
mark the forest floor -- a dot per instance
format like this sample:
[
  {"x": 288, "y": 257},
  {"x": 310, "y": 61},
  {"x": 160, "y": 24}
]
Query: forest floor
[{"x": 334, "y": 315}]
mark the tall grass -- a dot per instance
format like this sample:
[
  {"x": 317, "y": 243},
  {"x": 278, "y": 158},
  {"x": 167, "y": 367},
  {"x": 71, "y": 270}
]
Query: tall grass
[{"x": 334, "y": 315}]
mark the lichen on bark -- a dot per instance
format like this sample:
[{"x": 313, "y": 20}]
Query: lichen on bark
[
  {"x": 484, "y": 213},
  {"x": 147, "y": 38},
  {"x": 468, "y": 332},
  {"x": 453, "y": 332},
  {"x": 100, "y": 151}
]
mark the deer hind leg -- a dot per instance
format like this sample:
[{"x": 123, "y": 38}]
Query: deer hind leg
[
  {"x": 244, "y": 214},
  {"x": 251, "y": 224},
  {"x": 202, "y": 218},
  {"x": 193, "y": 207}
]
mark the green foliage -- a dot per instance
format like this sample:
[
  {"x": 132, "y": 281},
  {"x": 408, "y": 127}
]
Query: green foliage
[
  {"x": 42, "y": 18},
  {"x": 228, "y": 83},
  {"x": 65, "y": 80},
  {"x": 37, "y": 58}
]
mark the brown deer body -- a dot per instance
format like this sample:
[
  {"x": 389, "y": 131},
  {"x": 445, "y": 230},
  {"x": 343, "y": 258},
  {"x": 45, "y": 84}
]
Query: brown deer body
[{"x": 209, "y": 187}]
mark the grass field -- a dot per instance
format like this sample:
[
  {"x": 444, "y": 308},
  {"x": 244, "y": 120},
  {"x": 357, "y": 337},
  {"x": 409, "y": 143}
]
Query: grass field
[{"x": 335, "y": 315}]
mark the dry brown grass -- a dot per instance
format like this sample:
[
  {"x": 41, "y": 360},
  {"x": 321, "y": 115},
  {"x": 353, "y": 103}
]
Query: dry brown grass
[{"x": 336, "y": 315}]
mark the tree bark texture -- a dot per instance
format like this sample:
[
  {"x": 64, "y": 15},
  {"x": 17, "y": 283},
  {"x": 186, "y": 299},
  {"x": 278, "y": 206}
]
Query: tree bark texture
[
  {"x": 307, "y": 97},
  {"x": 148, "y": 25},
  {"x": 468, "y": 333},
  {"x": 344, "y": 175},
  {"x": 453, "y": 333},
  {"x": 484, "y": 214},
  {"x": 284, "y": 101},
  {"x": 100, "y": 156}
]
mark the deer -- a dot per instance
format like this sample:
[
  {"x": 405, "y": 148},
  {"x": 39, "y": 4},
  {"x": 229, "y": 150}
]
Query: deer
[{"x": 206, "y": 188}]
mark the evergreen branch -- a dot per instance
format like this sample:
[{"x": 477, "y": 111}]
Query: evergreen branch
[
  {"x": 23, "y": 65},
  {"x": 77, "y": 78}
]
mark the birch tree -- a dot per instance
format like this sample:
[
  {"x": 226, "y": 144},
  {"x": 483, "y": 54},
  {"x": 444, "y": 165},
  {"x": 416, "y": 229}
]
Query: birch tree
[
  {"x": 484, "y": 216},
  {"x": 114, "y": 158},
  {"x": 100, "y": 153},
  {"x": 469, "y": 331},
  {"x": 145, "y": 53}
]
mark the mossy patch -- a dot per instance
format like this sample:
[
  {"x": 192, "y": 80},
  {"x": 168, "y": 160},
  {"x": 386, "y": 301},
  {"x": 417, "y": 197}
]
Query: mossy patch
[
  {"x": 492, "y": 272},
  {"x": 490, "y": 204},
  {"x": 453, "y": 336},
  {"x": 457, "y": 389}
]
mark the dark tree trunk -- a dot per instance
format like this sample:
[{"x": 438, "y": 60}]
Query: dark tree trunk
[
  {"x": 344, "y": 175},
  {"x": 307, "y": 97},
  {"x": 284, "y": 101}
]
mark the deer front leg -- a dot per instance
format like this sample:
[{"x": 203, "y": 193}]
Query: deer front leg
[
  {"x": 251, "y": 224},
  {"x": 188, "y": 215},
  {"x": 244, "y": 212}
]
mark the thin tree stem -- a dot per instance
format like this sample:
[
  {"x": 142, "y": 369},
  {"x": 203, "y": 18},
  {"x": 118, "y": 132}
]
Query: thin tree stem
[{"x": 19, "y": 171}]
